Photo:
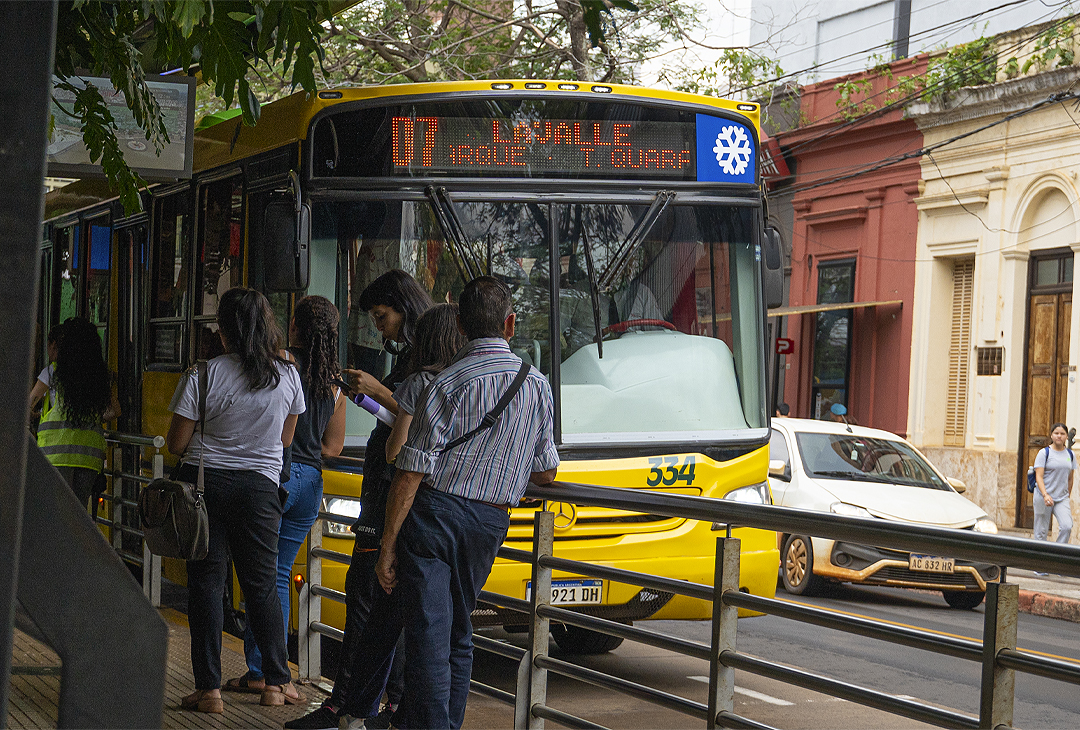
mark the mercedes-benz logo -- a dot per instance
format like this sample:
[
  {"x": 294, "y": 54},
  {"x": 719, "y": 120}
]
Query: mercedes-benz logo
[{"x": 565, "y": 515}]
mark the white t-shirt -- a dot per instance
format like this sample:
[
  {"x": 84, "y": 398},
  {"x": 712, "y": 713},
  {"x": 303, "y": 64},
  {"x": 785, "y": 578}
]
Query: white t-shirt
[
  {"x": 45, "y": 376},
  {"x": 243, "y": 426}
]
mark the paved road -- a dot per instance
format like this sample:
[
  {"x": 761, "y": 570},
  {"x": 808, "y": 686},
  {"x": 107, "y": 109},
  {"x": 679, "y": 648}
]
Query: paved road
[{"x": 943, "y": 681}]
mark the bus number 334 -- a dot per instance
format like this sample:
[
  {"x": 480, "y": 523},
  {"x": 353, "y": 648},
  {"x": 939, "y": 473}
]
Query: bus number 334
[{"x": 667, "y": 470}]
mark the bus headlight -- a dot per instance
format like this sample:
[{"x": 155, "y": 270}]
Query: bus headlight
[
  {"x": 754, "y": 494},
  {"x": 985, "y": 524},
  {"x": 345, "y": 507}
]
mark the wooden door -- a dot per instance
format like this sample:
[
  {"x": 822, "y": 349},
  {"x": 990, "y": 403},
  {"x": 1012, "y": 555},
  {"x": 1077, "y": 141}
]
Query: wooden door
[{"x": 1047, "y": 380}]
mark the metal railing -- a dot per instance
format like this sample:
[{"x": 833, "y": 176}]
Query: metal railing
[
  {"x": 130, "y": 458},
  {"x": 997, "y": 652}
]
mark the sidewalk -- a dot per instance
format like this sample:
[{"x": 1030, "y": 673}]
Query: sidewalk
[{"x": 1053, "y": 596}]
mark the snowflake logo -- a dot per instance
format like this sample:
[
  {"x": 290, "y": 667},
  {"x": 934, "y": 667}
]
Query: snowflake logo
[{"x": 732, "y": 149}]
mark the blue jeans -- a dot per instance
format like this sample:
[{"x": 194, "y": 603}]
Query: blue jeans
[
  {"x": 301, "y": 509},
  {"x": 445, "y": 552}
]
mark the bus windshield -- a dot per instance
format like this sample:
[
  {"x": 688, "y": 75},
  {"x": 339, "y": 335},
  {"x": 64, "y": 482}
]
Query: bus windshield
[{"x": 657, "y": 304}]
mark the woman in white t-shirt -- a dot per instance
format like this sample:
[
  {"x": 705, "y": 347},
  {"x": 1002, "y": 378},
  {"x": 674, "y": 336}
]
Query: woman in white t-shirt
[
  {"x": 1054, "y": 467},
  {"x": 253, "y": 398}
]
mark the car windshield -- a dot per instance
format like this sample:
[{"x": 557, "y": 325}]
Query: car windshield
[{"x": 863, "y": 459}]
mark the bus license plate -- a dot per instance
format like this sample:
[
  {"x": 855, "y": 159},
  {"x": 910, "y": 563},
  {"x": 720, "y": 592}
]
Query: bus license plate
[
  {"x": 572, "y": 591},
  {"x": 931, "y": 564}
]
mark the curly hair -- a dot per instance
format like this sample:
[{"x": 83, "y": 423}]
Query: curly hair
[
  {"x": 251, "y": 332},
  {"x": 438, "y": 340},
  {"x": 316, "y": 320},
  {"x": 399, "y": 291},
  {"x": 81, "y": 375}
]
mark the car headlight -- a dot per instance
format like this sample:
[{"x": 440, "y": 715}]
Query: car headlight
[
  {"x": 344, "y": 506},
  {"x": 985, "y": 524},
  {"x": 849, "y": 510},
  {"x": 754, "y": 494}
]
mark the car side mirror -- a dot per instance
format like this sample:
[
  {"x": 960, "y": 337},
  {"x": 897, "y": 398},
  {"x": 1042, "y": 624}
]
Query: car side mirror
[
  {"x": 286, "y": 245},
  {"x": 778, "y": 468},
  {"x": 956, "y": 484}
]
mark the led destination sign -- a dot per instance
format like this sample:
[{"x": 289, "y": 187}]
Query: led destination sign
[{"x": 547, "y": 146}]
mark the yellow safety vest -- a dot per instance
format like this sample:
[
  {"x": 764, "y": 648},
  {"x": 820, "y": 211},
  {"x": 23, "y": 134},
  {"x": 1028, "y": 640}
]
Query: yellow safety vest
[{"x": 66, "y": 445}]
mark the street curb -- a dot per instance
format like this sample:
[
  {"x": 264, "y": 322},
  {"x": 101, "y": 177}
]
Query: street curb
[{"x": 1049, "y": 605}]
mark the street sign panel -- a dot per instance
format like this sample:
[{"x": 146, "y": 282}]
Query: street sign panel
[{"x": 784, "y": 346}]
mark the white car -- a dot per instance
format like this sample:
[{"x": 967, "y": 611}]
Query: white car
[{"x": 864, "y": 472}]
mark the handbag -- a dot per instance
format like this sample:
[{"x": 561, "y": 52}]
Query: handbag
[{"x": 173, "y": 513}]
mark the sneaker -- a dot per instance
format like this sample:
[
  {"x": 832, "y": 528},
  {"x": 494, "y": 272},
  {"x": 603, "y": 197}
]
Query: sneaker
[
  {"x": 348, "y": 722},
  {"x": 1043, "y": 574},
  {"x": 321, "y": 719},
  {"x": 382, "y": 720}
]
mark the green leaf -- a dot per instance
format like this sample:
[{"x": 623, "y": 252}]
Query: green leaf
[{"x": 189, "y": 13}]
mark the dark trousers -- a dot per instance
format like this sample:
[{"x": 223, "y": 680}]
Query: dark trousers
[
  {"x": 374, "y": 656},
  {"x": 360, "y": 587},
  {"x": 445, "y": 552},
  {"x": 244, "y": 511}
]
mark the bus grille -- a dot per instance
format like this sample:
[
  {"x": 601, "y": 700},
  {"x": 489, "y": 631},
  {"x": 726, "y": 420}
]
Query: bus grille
[{"x": 899, "y": 573}]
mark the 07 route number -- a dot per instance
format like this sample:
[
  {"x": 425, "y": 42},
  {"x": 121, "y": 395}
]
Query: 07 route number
[{"x": 667, "y": 470}]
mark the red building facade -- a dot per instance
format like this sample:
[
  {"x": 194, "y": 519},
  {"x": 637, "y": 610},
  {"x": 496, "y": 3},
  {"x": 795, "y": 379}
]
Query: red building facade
[{"x": 852, "y": 242}]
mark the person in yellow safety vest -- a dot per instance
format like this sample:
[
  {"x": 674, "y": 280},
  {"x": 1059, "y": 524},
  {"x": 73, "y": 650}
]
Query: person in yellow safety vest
[{"x": 78, "y": 398}]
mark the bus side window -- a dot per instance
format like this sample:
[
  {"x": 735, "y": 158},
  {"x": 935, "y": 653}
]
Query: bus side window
[
  {"x": 170, "y": 280},
  {"x": 218, "y": 260}
]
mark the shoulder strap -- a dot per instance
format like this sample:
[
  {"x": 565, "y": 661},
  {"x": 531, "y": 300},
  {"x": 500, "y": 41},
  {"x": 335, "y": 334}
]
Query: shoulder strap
[
  {"x": 489, "y": 420},
  {"x": 204, "y": 386}
]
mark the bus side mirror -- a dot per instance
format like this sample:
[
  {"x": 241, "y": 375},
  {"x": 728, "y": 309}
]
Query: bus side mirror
[
  {"x": 286, "y": 246},
  {"x": 772, "y": 268}
]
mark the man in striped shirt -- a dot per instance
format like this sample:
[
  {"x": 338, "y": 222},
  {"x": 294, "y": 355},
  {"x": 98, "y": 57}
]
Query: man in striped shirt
[{"x": 448, "y": 509}]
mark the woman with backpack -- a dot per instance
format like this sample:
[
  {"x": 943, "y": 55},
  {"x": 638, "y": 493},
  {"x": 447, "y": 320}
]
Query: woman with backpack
[
  {"x": 1054, "y": 468},
  {"x": 253, "y": 398}
]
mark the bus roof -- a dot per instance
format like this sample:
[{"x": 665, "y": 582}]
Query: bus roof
[{"x": 286, "y": 121}]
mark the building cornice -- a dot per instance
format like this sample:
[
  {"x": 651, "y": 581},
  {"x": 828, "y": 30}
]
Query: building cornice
[
  {"x": 962, "y": 199},
  {"x": 1005, "y": 97}
]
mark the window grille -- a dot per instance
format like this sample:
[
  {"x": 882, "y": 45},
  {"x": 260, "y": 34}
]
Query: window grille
[{"x": 989, "y": 360}]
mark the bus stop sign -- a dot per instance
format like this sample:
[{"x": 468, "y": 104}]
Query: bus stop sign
[{"x": 784, "y": 346}]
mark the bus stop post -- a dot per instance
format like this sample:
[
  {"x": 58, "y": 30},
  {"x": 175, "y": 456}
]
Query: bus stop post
[
  {"x": 25, "y": 89},
  {"x": 309, "y": 609},
  {"x": 999, "y": 632},
  {"x": 539, "y": 631},
  {"x": 724, "y": 619},
  {"x": 151, "y": 562}
]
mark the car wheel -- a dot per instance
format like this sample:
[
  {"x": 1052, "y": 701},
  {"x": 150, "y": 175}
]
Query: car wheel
[
  {"x": 963, "y": 600},
  {"x": 798, "y": 566},
  {"x": 576, "y": 640}
]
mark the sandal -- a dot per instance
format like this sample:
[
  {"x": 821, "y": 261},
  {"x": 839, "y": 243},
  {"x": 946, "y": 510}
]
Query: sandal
[
  {"x": 198, "y": 701},
  {"x": 277, "y": 695},
  {"x": 249, "y": 684}
]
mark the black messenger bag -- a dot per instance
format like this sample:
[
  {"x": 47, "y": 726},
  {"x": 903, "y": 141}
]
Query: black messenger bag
[{"x": 173, "y": 513}]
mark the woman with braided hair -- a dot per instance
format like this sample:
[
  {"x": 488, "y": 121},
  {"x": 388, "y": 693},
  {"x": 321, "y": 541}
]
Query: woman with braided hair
[{"x": 320, "y": 431}]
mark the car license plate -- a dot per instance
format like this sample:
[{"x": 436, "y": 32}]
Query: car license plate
[
  {"x": 572, "y": 591},
  {"x": 931, "y": 564}
]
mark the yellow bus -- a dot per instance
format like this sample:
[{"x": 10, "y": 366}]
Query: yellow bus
[{"x": 628, "y": 223}]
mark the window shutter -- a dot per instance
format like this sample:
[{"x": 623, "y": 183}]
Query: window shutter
[{"x": 959, "y": 352}]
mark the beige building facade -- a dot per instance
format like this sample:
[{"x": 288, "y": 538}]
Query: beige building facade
[{"x": 993, "y": 362}]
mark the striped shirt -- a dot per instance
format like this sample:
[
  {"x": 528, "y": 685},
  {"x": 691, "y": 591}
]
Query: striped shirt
[{"x": 493, "y": 466}]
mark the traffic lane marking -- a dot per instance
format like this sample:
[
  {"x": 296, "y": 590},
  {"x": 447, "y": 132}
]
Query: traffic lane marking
[
  {"x": 1071, "y": 660},
  {"x": 750, "y": 693}
]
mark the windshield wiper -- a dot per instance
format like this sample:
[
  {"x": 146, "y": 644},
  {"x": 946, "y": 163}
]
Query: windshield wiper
[
  {"x": 635, "y": 238},
  {"x": 594, "y": 291},
  {"x": 454, "y": 233},
  {"x": 855, "y": 476}
]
